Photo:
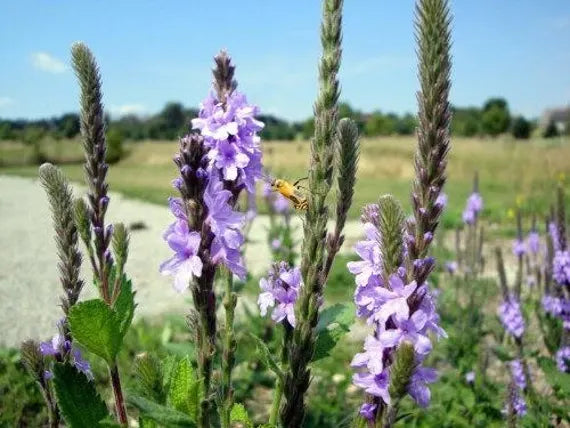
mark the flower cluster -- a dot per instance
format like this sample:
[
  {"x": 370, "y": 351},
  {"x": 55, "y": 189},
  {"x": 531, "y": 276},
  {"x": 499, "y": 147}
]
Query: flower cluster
[
  {"x": 280, "y": 291},
  {"x": 58, "y": 347},
  {"x": 563, "y": 359},
  {"x": 511, "y": 317},
  {"x": 517, "y": 373},
  {"x": 561, "y": 267},
  {"x": 533, "y": 242},
  {"x": 519, "y": 247},
  {"x": 552, "y": 305},
  {"x": 204, "y": 219},
  {"x": 385, "y": 305},
  {"x": 230, "y": 132},
  {"x": 451, "y": 266},
  {"x": 473, "y": 207}
]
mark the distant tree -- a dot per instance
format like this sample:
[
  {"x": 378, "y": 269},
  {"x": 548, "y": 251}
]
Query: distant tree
[
  {"x": 67, "y": 126},
  {"x": 521, "y": 128},
  {"x": 465, "y": 121},
  {"x": 496, "y": 117},
  {"x": 114, "y": 145},
  {"x": 551, "y": 130},
  {"x": 33, "y": 136},
  {"x": 6, "y": 132},
  {"x": 406, "y": 125},
  {"x": 380, "y": 124},
  {"x": 308, "y": 128}
]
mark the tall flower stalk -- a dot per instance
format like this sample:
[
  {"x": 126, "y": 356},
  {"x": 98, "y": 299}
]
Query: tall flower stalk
[
  {"x": 215, "y": 166},
  {"x": 91, "y": 219},
  {"x": 318, "y": 252}
]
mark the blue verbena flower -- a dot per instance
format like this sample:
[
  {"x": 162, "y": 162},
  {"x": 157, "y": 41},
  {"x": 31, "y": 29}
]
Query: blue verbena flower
[
  {"x": 533, "y": 242},
  {"x": 185, "y": 264},
  {"x": 511, "y": 317},
  {"x": 280, "y": 291},
  {"x": 517, "y": 373},
  {"x": 367, "y": 411},
  {"x": 473, "y": 207},
  {"x": 561, "y": 267},
  {"x": 519, "y": 247},
  {"x": 563, "y": 359},
  {"x": 58, "y": 348},
  {"x": 552, "y": 305},
  {"x": 230, "y": 131},
  {"x": 384, "y": 303},
  {"x": 451, "y": 266},
  {"x": 553, "y": 232}
]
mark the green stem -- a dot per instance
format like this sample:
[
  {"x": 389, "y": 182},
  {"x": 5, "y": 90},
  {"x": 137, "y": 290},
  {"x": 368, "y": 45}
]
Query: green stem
[
  {"x": 228, "y": 360},
  {"x": 278, "y": 394}
]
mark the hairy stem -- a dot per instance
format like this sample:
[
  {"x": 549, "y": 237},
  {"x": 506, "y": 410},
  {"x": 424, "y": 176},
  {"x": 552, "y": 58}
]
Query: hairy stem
[
  {"x": 228, "y": 359},
  {"x": 118, "y": 392}
]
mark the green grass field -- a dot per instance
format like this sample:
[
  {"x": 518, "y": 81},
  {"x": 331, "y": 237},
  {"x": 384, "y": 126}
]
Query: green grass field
[{"x": 511, "y": 173}]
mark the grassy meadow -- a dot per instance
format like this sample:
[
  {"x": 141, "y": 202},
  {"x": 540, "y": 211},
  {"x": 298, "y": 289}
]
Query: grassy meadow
[{"x": 512, "y": 173}]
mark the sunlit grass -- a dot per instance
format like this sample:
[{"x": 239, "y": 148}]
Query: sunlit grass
[{"x": 509, "y": 170}]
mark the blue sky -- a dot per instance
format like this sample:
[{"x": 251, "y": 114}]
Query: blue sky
[{"x": 151, "y": 52}]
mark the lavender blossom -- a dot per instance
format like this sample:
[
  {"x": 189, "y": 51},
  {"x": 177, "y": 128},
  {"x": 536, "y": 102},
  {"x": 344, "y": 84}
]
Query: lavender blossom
[
  {"x": 553, "y": 231},
  {"x": 58, "y": 348},
  {"x": 552, "y": 305},
  {"x": 519, "y": 247},
  {"x": 517, "y": 374},
  {"x": 280, "y": 290},
  {"x": 473, "y": 207},
  {"x": 451, "y": 266},
  {"x": 374, "y": 384},
  {"x": 418, "y": 388},
  {"x": 367, "y": 411},
  {"x": 230, "y": 131},
  {"x": 561, "y": 267},
  {"x": 563, "y": 359},
  {"x": 533, "y": 242},
  {"x": 470, "y": 377},
  {"x": 511, "y": 317}
]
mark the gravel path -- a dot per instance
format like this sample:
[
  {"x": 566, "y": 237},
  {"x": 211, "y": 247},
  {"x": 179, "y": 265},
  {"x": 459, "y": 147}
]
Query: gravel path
[{"x": 29, "y": 286}]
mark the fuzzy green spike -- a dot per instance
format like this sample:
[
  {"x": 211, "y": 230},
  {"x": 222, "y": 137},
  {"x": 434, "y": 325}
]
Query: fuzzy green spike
[
  {"x": 400, "y": 375},
  {"x": 390, "y": 224}
]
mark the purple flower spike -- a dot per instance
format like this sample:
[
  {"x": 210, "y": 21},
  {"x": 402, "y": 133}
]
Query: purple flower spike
[
  {"x": 511, "y": 317},
  {"x": 230, "y": 131},
  {"x": 561, "y": 267},
  {"x": 517, "y": 373},
  {"x": 280, "y": 291},
  {"x": 519, "y": 248},
  {"x": 563, "y": 359},
  {"x": 533, "y": 242}
]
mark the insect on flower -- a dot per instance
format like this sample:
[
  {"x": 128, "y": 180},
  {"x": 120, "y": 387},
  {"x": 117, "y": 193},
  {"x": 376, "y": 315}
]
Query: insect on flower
[{"x": 291, "y": 191}]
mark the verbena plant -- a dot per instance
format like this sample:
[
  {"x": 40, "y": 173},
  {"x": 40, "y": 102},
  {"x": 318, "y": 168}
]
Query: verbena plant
[{"x": 219, "y": 164}]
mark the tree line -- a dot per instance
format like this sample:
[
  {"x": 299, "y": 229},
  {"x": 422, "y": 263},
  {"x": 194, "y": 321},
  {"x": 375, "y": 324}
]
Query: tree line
[{"x": 492, "y": 119}]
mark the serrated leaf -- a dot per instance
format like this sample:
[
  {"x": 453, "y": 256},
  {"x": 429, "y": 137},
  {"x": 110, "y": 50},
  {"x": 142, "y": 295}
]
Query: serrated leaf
[
  {"x": 338, "y": 313},
  {"x": 558, "y": 381},
  {"x": 125, "y": 305},
  {"x": 334, "y": 323},
  {"x": 239, "y": 414},
  {"x": 148, "y": 373},
  {"x": 95, "y": 326},
  {"x": 77, "y": 398},
  {"x": 160, "y": 414},
  {"x": 183, "y": 393},
  {"x": 266, "y": 356}
]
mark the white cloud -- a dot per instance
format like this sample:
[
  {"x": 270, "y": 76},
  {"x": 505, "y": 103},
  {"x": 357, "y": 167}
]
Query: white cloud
[
  {"x": 45, "y": 62},
  {"x": 6, "y": 102},
  {"x": 126, "y": 109}
]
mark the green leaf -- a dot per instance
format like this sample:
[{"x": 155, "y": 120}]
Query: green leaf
[
  {"x": 502, "y": 353},
  {"x": 239, "y": 414},
  {"x": 266, "y": 356},
  {"x": 160, "y": 414},
  {"x": 338, "y": 313},
  {"x": 558, "y": 381},
  {"x": 77, "y": 398},
  {"x": 95, "y": 326},
  {"x": 183, "y": 394},
  {"x": 148, "y": 373},
  {"x": 125, "y": 305},
  {"x": 334, "y": 323}
]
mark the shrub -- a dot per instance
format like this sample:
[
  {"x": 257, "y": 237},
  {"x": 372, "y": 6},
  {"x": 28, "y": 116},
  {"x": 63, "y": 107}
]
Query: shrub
[{"x": 521, "y": 128}]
